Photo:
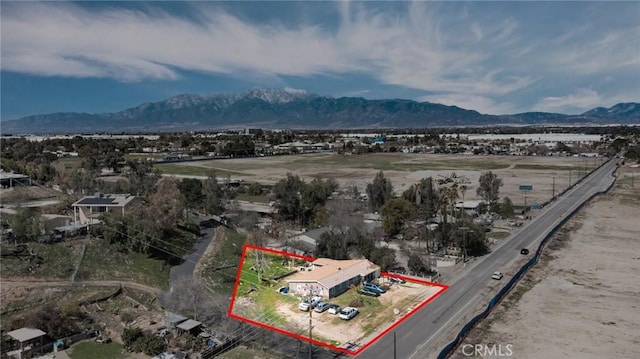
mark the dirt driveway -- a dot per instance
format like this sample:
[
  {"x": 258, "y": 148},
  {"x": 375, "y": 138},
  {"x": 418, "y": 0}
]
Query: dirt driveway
[{"x": 399, "y": 301}]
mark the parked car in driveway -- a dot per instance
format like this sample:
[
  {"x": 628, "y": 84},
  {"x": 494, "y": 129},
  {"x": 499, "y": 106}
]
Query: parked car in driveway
[
  {"x": 397, "y": 280},
  {"x": 373, "y": 287},
  {"x": 304, "y": 306},
  {"x": 497, "y": 275},
  {"x": 348, "y": 313},
  {"x": 321, "y": 307},
  {"x": 334, "y": 309}
]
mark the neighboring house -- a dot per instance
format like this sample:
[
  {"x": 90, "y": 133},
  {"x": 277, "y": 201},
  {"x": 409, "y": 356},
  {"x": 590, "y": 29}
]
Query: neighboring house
[
  {"x": 89, "y": 208},
  {"x": 10, "y": 179},
  {"x": 329, "y": 278},
  {"x": 312, "y": 236}
]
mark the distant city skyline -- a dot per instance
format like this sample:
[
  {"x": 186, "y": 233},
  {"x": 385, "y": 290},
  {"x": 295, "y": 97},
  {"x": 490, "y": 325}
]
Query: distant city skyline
[{"x": 493, "y": 57}]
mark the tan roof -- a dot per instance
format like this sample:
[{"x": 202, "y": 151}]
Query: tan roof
[{"x": 331, "y": 272}]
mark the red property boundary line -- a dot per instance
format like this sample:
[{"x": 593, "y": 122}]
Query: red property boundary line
[{"x": 442, "y": 287}]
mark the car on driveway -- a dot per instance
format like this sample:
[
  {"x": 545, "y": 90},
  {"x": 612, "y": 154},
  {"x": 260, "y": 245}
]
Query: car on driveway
[
  {"x": 348, "y": 313},
  {"x": 321, "y": 307},
  {"x": 334, "y": 309},
  {"x": 397, "y": 280},
  {"x": 497, "y": 275},
  {"x": 370, "y": 286},
  {"x": 524, "y": 251},
  {"x": 304, "y": 306}
]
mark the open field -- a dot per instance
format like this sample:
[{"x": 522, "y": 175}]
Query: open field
[
  {"x": 546, "y": 174},
  {"x": 581, "y": 299}
]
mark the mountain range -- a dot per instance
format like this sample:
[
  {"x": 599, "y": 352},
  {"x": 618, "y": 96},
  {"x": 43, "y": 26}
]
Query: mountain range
[{"x": 296, "y": 109}]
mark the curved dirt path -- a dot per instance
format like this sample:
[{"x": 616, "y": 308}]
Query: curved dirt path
[{"x": 8, "y": 284}]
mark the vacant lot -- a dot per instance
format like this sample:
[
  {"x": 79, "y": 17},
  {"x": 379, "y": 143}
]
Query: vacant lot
[
  {"x": 581, "y": 300},
  {"x": 546, "y": 174}
]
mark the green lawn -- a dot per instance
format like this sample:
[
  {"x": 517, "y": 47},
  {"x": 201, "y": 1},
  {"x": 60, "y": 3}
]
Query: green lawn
[
  {"x": 194, "y": 170},
  {"x": 93, "y": 350},
  {"x": 524, "y": 166},
  {"x": 251, "y": 198},
  {"x": 264, "y": 292}
]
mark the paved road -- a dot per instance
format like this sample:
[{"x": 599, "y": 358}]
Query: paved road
[
  {"x": 417, "y": 335},
  {"x": 186, "y": 268}
]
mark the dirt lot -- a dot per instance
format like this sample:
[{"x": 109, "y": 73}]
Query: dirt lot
[
  {"x": 399, "y": 300},
  {"x": 581, "y": 300},
  {"x": 407, "y": 169}
]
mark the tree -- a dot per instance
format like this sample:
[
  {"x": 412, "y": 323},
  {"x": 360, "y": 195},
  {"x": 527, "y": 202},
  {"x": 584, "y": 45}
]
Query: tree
[
  {"x": 191, "y": 190},
  {"x": 506, "y": 209},
  {"x": 26, "y": 224},
  {"x": 395, "y": 214},
  {"x": 332, "y": 245},
  {"x": 489, "y": 188},
  {"x": 423, "y": 195},
  {"x": 416, "y": 265},
  {"x": 142, "y": 177},
  {"x": 287, "y": 193},
  {"x": 213, "y": 195},
  {"x": 130, "y": 336},
  {"x": 165, "y": 204},
  {"x": 379, "y": 191}
]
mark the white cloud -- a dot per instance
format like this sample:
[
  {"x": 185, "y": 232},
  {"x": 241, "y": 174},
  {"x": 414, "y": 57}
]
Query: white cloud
[
  {"x": 470, "y": 64},
  {"x": 580, "y": 101}
]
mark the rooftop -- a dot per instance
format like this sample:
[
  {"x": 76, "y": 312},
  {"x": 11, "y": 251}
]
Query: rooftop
[
  {"x": 189, "y": 324},
  {"x": 116, "y": 200},
  {"x": 331, "y": 272},
  {"x": 26, "y": 334}
]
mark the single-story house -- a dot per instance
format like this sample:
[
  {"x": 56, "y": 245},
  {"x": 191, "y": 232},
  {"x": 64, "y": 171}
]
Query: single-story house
[
  {"x": 89, "y": 208},
  {"x": 311, "y": 236},
  {"x": 329, "y": 278},
  {"x": 10, "y": 179}
]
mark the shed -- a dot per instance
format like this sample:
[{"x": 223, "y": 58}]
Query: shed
[
  {"x": 189, "y": 325},
  {"x": 27, "y": 337}
]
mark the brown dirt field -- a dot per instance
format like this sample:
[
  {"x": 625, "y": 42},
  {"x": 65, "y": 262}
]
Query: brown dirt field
[
  {"x": 406, "y": 169},
  {"x": 397, "y": 302},
  {"x": 581, "y": 299}
]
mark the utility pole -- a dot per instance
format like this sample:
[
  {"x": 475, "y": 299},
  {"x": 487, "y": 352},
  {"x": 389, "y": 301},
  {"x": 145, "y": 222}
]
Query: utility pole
[
  {"x": 553, "y": 188},
  {"x": 569, "y": 177},
  {"x": 464, "y": 244},
  {"x": 310, "y": 325},
  {"x": 394, "y": 345}
]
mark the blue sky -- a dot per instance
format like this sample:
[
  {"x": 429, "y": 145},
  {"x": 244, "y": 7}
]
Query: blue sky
[{"x": 494, "y": 57}]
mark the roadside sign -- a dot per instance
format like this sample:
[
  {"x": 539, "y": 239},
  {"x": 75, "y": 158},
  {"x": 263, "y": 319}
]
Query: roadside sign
[{"x": 526, "y": 187}]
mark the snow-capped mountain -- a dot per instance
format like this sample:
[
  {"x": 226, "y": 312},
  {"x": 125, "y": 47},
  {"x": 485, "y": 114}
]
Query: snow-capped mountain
[{"x": 292, "y": 108}]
